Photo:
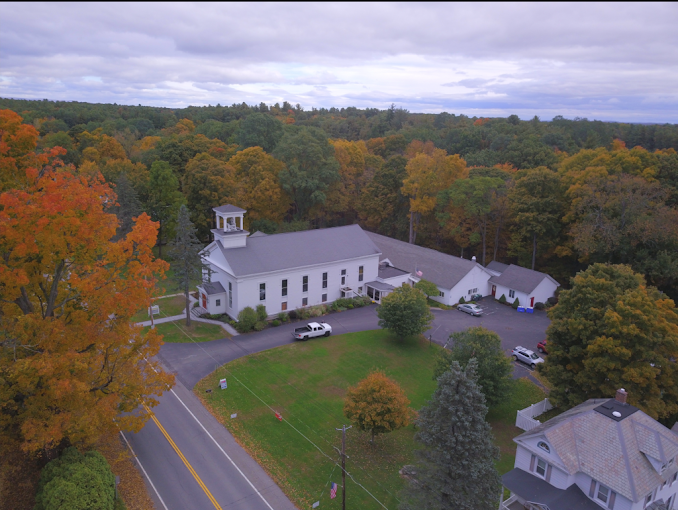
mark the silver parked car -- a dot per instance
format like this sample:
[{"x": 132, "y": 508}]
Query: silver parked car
[
  {"x": 470, "y": 309},
  {"x": 526, "y": 356}
]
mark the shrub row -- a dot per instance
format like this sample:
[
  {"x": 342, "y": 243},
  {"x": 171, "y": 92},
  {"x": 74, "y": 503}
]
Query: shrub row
[{"x": 255, "y": 320}]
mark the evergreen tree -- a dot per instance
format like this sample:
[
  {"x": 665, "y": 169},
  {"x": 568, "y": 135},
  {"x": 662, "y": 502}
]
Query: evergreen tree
[
  {"x": 164, "y": 199},
  {"x": 455, "y": 469},
  {"x": 128, "y": 208},
  {"x": 186, "y": 259}
]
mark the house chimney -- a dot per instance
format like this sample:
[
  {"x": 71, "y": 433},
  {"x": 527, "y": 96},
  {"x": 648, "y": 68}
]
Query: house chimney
[{"x": 621, "y": 395}]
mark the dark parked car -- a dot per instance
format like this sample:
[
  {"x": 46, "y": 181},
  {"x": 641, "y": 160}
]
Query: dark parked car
[{"x": 541, "y": 347}]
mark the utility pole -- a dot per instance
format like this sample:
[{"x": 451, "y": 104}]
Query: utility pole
[{"x": 343, "y": 464}]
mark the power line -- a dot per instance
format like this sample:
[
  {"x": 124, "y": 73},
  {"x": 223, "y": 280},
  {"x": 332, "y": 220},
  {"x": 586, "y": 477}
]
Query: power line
[{"x": 285, "y": 420}]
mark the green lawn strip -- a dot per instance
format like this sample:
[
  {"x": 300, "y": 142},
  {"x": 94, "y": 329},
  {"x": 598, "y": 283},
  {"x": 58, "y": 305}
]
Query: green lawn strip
[
  {"x": 177, "y": 332},
  {"x": 169, "y": 307},
  {"x": 306, "y": 382},
  {"x": 502, "y": 418}
]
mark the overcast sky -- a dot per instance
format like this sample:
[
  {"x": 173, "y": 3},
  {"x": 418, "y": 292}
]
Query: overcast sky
[{"x": 600, "y": 61}]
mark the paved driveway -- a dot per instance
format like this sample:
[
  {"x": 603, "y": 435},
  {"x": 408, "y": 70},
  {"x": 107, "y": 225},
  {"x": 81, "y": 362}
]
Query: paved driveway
[
  {"x": 512, "y": 327},
  {"x": 191, "y": 362}
]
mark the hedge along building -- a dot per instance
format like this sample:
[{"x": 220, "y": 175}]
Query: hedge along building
[{"x": 285, "y": 271}]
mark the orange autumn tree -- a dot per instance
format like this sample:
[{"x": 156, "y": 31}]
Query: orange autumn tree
[
  {"x": 72, "y": 366},
  {"x": 378, "y": 404},
  {"x": 17, "y": 150}
]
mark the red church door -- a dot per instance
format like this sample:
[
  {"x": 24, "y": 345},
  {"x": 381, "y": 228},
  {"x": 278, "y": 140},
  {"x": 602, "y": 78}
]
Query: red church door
[
  {"x": 204, "y": 301},
  {"x": 532, "y": 302},
  {"x": 494, "y": 290}
]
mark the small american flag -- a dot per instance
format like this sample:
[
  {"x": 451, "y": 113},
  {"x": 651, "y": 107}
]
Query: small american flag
[
  {"x": 419, "y": 274},
  {"x": 333, "y": 491}
]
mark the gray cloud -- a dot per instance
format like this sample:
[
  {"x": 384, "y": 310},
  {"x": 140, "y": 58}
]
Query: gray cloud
[{"x": 620, "y": 61}]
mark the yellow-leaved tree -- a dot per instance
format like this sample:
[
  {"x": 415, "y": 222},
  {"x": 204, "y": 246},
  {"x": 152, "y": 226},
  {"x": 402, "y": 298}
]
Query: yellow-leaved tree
[
  {"x": 377, "y": 404},
  {"x": 427, "y": 175}
]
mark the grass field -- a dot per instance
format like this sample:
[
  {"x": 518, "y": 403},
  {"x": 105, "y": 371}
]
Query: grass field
[
  {"x": 306, "y": 382},
  {"x": 177, "y": 332},
  {"x": 169, "y": 306}
]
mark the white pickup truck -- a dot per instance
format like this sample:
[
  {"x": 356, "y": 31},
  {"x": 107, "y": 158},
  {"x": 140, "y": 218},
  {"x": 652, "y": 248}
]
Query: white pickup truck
[{"x": 312, "y": 330}]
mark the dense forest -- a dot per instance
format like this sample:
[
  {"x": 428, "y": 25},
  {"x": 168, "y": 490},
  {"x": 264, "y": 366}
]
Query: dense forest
[{"x": 554, "y": 195}]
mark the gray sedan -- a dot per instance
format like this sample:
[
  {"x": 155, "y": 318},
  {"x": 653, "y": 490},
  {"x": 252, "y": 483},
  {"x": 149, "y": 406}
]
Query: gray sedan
[{"x": 470, "y": 309}]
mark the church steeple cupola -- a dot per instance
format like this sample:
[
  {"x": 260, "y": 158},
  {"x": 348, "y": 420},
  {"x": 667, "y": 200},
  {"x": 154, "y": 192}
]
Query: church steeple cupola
[{"x": 230, "y": 231}]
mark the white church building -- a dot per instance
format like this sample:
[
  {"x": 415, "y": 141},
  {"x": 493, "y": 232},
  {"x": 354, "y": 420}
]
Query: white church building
[
  {"x": 284, "y": 271},
  {"x": 298, "y": 269}
]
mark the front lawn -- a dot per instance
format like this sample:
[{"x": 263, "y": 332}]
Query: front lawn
[
  {"x": 306, "y": 382},
  {"x": 502, "y": 418},
  {"x": 177, "y": 332},
  {"x": 169, "y": 306}
]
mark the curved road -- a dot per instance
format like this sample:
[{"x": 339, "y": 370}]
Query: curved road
[{"x": 192, "y": 462}]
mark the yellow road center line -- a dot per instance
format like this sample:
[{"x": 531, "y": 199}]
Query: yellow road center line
[{"x": 183, "y": 459}]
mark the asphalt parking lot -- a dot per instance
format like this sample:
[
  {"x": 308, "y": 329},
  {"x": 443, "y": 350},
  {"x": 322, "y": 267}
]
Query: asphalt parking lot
[
  {"x": 191, "y": 362},
  {"x": 513, "y": 328}
]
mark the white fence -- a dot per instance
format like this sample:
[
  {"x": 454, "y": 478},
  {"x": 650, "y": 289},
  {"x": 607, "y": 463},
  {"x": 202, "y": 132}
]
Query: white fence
[{"x": 525, "y": 417}]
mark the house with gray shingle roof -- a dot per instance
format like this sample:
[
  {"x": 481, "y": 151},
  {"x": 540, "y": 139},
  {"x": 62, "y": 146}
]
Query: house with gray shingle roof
[
  {"x": 526, "y": 285},
  {"x": 601, "y": 453}
]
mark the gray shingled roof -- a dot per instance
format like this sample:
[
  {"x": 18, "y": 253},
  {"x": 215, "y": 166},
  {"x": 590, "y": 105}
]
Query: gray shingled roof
[
  {"x": 213, "y": 288},
  {"x": 228, "y": 208},
  {"x": 440, "y": 268},
  {"x": 386, "y": 272},
  {"x": 609, "y": 451},
  {"x": 520, "y": 279},
  {"x": 380, "y": 286},
  {"x": 263, "y": 254},
  {"x": 497, "y": 266},
  {"x": 536, "y": 490}
]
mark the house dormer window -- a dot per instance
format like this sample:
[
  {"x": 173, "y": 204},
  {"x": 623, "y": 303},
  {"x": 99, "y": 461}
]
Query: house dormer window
[
  {"x": 540, "y": 468},
  {"x": 544, "y": 446}
]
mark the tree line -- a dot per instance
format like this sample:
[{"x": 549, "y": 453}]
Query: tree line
[{"x": 554, "y": 196}]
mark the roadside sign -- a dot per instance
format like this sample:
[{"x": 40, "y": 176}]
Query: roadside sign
[
  {"x": 223, "y": 384},
  {"x": 154, "y": 310}
]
